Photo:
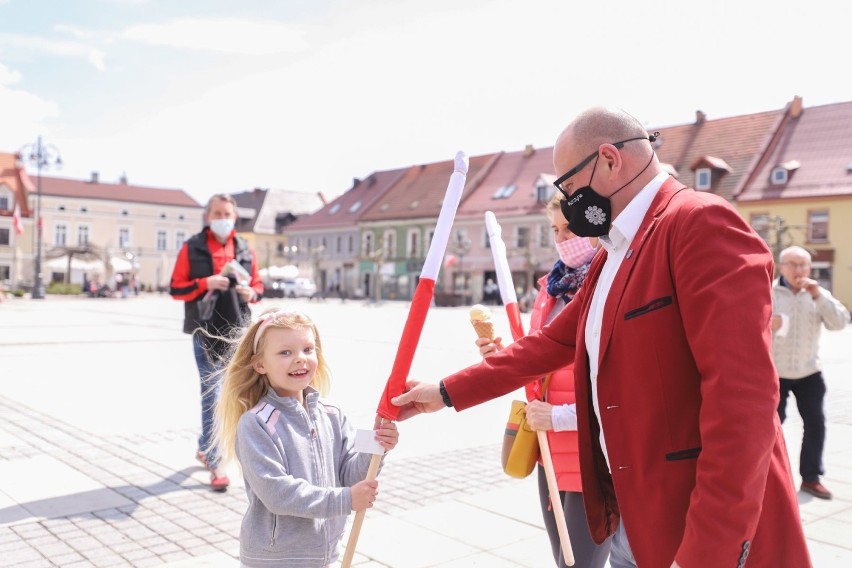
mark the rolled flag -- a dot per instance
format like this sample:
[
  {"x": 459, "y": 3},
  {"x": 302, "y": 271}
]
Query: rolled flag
[
  {"x": 424, "y": 291},
  {"x": 504, "y": 275}
]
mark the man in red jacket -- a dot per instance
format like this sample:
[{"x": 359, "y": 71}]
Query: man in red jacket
[
  {"x": 215, "y": 301},
  {"x": 682, "y": 455}
]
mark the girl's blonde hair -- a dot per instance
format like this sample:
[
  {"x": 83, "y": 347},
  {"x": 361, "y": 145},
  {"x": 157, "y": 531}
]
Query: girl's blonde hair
[{"x": 242, "y": 387}]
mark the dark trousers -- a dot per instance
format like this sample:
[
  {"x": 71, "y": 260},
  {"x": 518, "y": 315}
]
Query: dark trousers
[
  {"x": 587, "y": 554},
  {"x": 810, "y": 394}
]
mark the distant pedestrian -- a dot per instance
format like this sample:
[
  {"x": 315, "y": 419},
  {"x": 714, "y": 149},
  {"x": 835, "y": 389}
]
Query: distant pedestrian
[
  {"x": 801, "y": 308},
  {"x": 214, "y": 305},
  {"x": 296, "y": 450}
]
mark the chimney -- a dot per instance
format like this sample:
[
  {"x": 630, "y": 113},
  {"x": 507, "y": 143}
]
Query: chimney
[
  {"x": 796, "y": 107},
  {"x": 123, "y": 179},
  {"x": 322, "y": 197},
  {"x": 94, "y": 178},
  {"x": 700, "y": 117},
  {"x": 528, "y": 150}
]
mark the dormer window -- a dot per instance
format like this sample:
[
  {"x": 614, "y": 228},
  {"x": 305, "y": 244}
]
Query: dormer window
[
  {"x": 781, "y": 173},
  {"x": 708, "y": 171},
  {"x": 354, "y": 207},
  {"x": 778, "y": 176},
  {"x": 504, "y": 191},
  {"x": 334, "y": 209},
  {"x": 703, "y": 178}
]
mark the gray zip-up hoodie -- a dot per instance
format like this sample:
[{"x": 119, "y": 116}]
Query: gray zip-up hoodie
[{"x": 298, "y": 466}]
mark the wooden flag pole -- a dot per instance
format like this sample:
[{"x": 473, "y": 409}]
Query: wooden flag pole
[
  {"x": 555, "y": 504},
  {"x": 372, "y": 473}
]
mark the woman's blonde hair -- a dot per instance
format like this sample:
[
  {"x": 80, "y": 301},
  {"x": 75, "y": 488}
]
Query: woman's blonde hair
[{"x": 242, "y": 387}]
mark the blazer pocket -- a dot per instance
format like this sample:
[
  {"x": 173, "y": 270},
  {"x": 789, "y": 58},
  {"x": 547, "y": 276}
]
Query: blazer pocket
[
  {"x": 649, "y": 307},
  {"x": 690, "y": 454}
]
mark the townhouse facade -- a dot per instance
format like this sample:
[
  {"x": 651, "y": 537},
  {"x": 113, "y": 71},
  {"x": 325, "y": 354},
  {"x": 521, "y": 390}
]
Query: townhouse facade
[
  {"x": 799, "y": 192},
  {"x": 93, "y": 230}
]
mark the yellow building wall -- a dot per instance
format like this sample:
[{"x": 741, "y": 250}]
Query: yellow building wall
[{"x": 795, "y": 213}]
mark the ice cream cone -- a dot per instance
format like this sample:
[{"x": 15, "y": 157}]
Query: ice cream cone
[{"x": 480, "y": 319}]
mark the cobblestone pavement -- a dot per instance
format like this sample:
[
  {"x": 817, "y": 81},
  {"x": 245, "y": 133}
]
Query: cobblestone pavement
[{"x": 98, "y": 413}]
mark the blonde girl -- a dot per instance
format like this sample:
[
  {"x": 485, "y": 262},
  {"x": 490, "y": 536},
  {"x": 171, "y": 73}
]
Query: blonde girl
[{"x": 295, "y": 449}]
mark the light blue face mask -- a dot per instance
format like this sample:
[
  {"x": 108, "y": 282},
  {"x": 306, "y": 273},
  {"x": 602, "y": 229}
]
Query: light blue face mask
[{"x": 222, "y": 227}]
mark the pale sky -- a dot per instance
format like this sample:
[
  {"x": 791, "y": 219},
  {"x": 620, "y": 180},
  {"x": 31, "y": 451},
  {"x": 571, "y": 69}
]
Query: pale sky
[{"x": 223, "y": 96}]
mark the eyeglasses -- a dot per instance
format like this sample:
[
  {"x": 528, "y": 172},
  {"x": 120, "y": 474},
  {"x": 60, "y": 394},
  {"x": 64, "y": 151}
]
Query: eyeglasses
[
  {"x": 576, "y": 169},
  {"x": 797, "y": 265}
]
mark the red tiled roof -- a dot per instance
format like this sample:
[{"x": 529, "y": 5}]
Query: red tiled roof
[
  {"x": 62, "y": 187},
  {"x": 820, "y": 139},
  {"x": 513, "y": 168},
  {"x": 348, "y": 208},
  {"x": 735, "y": 140},
  {"x": 420, "y": 192}
]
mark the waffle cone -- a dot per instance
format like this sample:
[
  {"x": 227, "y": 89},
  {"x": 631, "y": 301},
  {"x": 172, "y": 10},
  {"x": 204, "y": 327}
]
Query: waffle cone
[{"x": 483, "y": 328}]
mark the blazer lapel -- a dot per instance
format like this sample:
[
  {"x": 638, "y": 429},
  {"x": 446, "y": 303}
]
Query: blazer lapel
[{"x": 613, "y": 301}]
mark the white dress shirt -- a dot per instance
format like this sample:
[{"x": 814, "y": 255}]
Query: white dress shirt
[{"x": 624, "y": 228}]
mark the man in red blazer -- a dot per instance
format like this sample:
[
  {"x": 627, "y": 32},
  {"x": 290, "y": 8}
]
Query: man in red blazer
[{"x": 682, "y": 454}]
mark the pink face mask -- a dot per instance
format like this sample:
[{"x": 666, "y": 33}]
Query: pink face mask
[{"x": 575, "y": 252}]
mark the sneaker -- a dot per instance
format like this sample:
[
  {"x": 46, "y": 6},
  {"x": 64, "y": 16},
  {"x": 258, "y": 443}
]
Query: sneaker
[
  {"x": 816, "y": 489},
  {"x": 218, "y": 480}
]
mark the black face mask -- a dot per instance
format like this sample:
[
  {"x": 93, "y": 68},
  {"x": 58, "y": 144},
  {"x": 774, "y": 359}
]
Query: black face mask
[{"x": 589, "y": 214}]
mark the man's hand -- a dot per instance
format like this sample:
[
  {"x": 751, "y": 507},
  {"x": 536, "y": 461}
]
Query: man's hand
[
  {"x": 539, "y": 415},
  {"x": 218, "y": 282},
  {"x": 811, "y": 286},
  {"x": 489, "y": 347},
  {"x": 418, "y": 398}
]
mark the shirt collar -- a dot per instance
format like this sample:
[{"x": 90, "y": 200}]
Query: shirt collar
[{"x": 625, "y": 226}]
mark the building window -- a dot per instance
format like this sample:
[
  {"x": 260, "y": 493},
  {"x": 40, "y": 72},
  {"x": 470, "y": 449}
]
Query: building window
[
  {"x": 4, "y": 237},
  {"x": 367, "y": 244},
  {"x": 817, "y": 226},
  {"x": 4, "y": 203},
  {"x": 5, "y": 272},
  {"x": 390, "y": 243},
  {"x": 760, "y": 223},
  {"x": 413, "y": 241},
  {"x": 60, "y": 235},
  {"x": 504, "y": 191},
  {"x": 430, "y": 235},
  {"x": 702, "y": 178},
  {"x": 180, "y": 238},
  {"x": 82, "y": 235},
  {"x": 123, "y": 237},
  {"x": 486, "y": 242},
  {"x": 125, "y": 212},
  {"x": 523, "y": 237},
  {"x": 778, "y": 176},
  {"x": 544, "y": 236},
  {"x": 544, "y": 192},
  {"x": 339, "y": 247},
  {"x": 351, "y": 244},
  {"x": 161, "y": 240}
]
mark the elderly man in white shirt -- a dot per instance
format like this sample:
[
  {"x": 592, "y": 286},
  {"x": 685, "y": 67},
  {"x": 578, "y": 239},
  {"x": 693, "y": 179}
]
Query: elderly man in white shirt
[{"x": 801, "y": 308}]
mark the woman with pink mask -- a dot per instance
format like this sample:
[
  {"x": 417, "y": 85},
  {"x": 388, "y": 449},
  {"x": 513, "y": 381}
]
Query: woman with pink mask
[{"x": 554, "y": 410}]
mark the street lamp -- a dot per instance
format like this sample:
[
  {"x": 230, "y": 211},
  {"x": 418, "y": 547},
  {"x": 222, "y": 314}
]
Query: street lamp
[{"x": 43, "y": 157}]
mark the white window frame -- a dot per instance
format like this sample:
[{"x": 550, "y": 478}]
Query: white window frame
[
  {"x": 180, "y": 238},
  {"x": 122, "y": 242},
  {"x": 81, "y": 228},
  {"x": 389, "y": 243},
  {"x": 60, "y": 235},
  {"x": 161, "y": 240},
  {"x": 518, "y": 230},
  {"x": 778, "y": 176},
  {"x": 821, "y": 217},
  {"x": 412, "y": 241},
  {"x": 703, "y": 184}
]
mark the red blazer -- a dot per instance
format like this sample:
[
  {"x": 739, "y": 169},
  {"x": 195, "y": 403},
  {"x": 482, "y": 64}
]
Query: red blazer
[{"x": 687, "y": 389}]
